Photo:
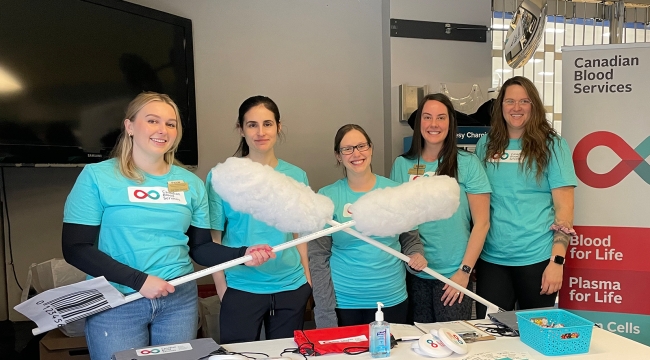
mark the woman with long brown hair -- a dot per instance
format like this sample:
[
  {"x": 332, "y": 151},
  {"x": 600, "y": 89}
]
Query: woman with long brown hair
[{"x": 531, "y": 213}]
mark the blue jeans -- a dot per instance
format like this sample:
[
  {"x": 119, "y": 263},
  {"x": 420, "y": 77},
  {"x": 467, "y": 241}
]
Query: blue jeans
[{"x": 144, "y": 322}]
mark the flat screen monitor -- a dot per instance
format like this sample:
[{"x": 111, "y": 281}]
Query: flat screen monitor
[{"x": 69, "y": 68}]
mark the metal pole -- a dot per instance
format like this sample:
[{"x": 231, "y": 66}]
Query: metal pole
[{"x": 617, "y": 22}]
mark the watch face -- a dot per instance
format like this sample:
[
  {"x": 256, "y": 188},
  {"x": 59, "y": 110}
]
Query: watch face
[
  {"x": 558, "y": 260},
  {"x": 466, "y": 269}
]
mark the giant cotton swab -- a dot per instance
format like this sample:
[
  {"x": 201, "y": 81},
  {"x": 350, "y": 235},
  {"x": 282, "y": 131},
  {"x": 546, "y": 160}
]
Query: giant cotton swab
[
  {"x": 382, "y": 212},
  {"x": 284, "y": 203}
]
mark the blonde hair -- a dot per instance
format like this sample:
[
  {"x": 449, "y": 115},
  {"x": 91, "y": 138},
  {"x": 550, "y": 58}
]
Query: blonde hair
[{"x": 123, "y": 150}]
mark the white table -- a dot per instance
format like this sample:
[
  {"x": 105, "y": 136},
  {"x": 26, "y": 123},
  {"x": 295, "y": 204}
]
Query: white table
[{"x": 604, "y": 345}]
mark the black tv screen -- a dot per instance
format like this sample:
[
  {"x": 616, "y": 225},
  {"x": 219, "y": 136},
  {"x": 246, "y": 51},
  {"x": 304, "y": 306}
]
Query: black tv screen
[{"x": 69, "y": 68}]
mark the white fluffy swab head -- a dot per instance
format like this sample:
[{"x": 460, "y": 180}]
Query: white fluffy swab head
[
  {"x": 391, "y": 211},
  {"x": 270, "y": 196}
]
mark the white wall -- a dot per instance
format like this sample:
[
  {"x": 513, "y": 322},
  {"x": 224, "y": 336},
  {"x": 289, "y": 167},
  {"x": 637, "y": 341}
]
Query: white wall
[
  {"x": 419, "y": 62},
  {"x": 320, "y": 61},
  {"x": 326, "y": 63}
]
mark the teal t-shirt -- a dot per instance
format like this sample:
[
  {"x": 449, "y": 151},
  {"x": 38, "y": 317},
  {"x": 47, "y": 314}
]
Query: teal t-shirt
[
  {"x": 283, "y": 273},
  {"x": 142, "y": 225},
  {"x": 445, "y": 241},
  {"x": 521, "y": 209},
  {"x": 361, "y": 273}
]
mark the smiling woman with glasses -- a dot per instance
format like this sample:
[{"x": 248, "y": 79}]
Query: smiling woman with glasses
[
  {"x": 350, "y": 275},
  {"x": 350, "y": 149},
  {"x": 530, "y": 168}
]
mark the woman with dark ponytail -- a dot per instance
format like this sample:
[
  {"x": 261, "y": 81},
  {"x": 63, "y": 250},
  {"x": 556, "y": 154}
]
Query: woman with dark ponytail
[{"x": 275, "y": 294}]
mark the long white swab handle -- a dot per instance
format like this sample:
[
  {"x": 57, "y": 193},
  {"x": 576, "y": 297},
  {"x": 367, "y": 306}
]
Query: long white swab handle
[
  {"x": 231, "y": 263},
  {"x": 492, "y": 308},
  {"x": 243, "y": 259}
]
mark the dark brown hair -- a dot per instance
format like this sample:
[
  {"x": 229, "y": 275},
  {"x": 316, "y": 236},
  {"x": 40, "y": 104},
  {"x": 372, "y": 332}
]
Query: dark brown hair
[
  {"x": 340, "y": 133},
  {"x": 251, "y": 102},
  {"x": 449, "y": 152}
]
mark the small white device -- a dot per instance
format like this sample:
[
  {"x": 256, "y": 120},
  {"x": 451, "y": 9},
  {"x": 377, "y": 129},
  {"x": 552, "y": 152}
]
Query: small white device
[
  {"x": 431, "y": 346},
  {"x": 451, "y": 339}
]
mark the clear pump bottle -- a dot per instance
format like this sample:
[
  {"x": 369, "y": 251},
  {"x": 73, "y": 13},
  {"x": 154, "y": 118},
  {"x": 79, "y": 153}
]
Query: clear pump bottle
[{"x": 379, "y": 335}]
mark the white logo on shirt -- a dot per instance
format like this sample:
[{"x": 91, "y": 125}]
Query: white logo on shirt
[
  {"x": 164, "y": 349},
  {"x": 509, "y": 156},
  {"x": 346, "y": 210},
  {"x": 156, "y": 195}
]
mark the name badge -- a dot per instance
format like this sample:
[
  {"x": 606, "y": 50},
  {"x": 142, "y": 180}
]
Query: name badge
[
  {"x": 177, "y": 185},
  {"x": 417, "y": 169}
]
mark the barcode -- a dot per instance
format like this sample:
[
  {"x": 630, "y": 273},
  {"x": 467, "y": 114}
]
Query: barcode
[{"x": 80, "y": 304}]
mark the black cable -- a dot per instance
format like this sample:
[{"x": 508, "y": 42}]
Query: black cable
[
  {"x": 222, "y": 351},
  {"x": 243, "y": 353},
  {"x": 497, "y": 330},
  {"x": 11, "y": 251}
]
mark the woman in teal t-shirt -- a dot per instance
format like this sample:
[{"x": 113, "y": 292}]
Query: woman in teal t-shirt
[
  {"x": 124, "y": 220},
  {"x": 276, "y": 293},
  {"x": 351, "y": 276},
  {"x": 530, "y": 168},
  {"x": 450, "y": 246}
]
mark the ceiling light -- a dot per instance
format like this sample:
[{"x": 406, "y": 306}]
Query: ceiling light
[{"x": 8, "y": 83}]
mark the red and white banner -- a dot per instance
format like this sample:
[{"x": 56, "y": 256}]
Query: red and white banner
[{"x": 605, "y": 110}]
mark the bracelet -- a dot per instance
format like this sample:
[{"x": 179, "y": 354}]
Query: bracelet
[{"x": 563, "y": 229}]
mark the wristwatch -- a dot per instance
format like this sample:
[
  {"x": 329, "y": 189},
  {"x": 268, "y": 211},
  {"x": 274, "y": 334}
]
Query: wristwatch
[
  {"x": 558, "y": 259},
  {"x": 466, "y": 269}
]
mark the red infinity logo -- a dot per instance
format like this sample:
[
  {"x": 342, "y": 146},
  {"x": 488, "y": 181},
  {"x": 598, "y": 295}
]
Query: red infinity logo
[{"x": 631, "y": 159}]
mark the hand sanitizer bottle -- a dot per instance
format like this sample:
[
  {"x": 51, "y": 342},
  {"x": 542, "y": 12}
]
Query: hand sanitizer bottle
[{"x": 379, "y": 335}]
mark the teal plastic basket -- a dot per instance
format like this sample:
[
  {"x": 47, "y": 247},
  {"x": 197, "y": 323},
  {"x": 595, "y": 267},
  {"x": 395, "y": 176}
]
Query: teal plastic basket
[{"x": 573, "y": 338}]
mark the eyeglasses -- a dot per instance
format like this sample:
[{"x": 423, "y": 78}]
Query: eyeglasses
[
  {"x": 522, "y": 102},
  {"x": 350, "y": 149}
]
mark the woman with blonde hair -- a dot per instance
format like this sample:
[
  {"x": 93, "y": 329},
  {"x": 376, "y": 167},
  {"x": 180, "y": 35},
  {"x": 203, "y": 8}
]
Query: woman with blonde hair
[
  {"x": 532, "y": 176},
  {"x": 138, "y": 220}
]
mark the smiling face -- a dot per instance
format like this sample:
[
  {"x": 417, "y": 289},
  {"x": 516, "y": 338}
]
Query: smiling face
[
  {"x": 153, "y": 129},
  {"x": 260, "y": 129},
  {"x": 434, "y": 123},
  {"x": 516, "y": 114},
  {"x": 358, "y": 161}
]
